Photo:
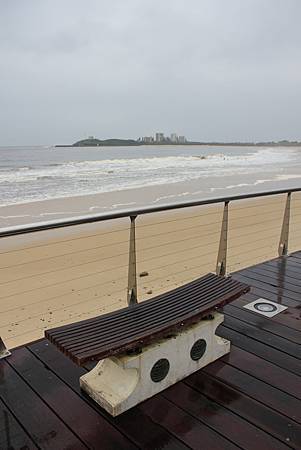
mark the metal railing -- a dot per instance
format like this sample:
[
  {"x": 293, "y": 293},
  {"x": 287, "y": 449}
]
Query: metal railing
[{"x": 131, "y": 288}]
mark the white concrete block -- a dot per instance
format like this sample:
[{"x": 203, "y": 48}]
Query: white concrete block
[{"x": 119, "y": 383}]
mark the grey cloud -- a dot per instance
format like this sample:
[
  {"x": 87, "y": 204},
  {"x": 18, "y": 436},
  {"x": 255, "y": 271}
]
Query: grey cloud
[{"x": 210, "y": 69}]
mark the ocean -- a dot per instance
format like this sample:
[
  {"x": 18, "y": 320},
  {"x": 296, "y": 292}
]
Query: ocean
[{"x": 31, "y": 174}]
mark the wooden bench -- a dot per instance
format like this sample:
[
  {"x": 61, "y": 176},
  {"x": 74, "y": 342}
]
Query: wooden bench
[
  {"x": 142, "y": 323},
  {"x": 144, "y": 348}
]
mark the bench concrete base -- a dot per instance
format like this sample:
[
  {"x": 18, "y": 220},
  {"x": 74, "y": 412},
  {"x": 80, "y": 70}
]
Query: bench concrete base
[{"x": 119, "y": 383}]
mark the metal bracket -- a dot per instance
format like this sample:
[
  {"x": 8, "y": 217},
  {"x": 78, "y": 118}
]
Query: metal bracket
[
  {"x": 283, "y": 243},
  {"x": 4, "y": 352},
  {"x": 132, "y": 273},
  {"x": 221, "y": 263}
]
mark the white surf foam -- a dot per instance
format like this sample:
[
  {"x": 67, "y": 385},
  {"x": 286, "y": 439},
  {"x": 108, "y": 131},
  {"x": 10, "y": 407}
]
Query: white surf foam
[{"x": 90, "y": 177}]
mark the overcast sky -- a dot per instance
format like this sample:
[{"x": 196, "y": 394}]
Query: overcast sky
[{"x": 208, "y": 69}]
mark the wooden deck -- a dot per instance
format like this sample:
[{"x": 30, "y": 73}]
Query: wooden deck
[{"x": 250, "y": 399}]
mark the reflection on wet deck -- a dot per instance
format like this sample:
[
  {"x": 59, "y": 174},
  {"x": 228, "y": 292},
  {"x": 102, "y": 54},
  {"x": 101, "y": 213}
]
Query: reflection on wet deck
[{"x": 249, "y": 399}]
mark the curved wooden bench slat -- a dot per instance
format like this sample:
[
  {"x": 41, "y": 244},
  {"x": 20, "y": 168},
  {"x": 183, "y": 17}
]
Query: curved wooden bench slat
[{"x": 131, "y": 327}]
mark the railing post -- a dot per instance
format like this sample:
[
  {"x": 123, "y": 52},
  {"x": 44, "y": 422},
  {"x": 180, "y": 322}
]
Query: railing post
[
  {"x": 221, "y": 264},
  {"x": 3, "y": 350},
  {"x": 283, "y": 243},
  {"x": 132, "y": 273}
]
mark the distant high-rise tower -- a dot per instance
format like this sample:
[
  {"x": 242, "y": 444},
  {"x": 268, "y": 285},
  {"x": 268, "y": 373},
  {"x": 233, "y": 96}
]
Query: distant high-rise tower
[
  {"x": 147, "y": 139},
  {"x": 159, "y": 137},
  {"x": 174, "y": 137}
]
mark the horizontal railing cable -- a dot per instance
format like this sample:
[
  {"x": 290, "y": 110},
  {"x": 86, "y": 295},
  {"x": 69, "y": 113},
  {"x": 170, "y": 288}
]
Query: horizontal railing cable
[
  {"x": 100, "y": 259},
  {"x": 56, "y": 323},
  {"x": 72, "y": 292},
  {"x": 244, "y": 207},
  {"x": 64, "y": 281},
  {"x": 109, "y": 244},
  {"x": 181, "y": 271},
  {"x": 254, "y": 241},
  {"x": 66, "y": 307},
  {"x": 182, "y": 261},
  {"x": 62, "y": 241},
  {"x": 176, "y": 252},
  {"x": 251, "y": 224}
]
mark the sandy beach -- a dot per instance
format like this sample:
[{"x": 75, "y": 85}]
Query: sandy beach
[{"x": 53, "y": 278}]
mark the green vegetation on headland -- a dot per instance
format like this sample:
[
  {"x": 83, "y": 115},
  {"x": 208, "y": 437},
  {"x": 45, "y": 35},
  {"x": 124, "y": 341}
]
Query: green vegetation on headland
[{"x": 93, "y": 142}]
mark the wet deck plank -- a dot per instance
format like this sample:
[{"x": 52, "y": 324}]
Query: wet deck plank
[
  {"x": 12, "y": 434},
  {"x": 247, "y": 399},
  {"x": 44, "y": 427}
]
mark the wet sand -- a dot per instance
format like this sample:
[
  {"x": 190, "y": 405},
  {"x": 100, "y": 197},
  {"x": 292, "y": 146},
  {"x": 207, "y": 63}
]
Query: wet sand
[{"x": 61, "y": 276}]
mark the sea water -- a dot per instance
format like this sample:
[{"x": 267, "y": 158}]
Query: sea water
[{"x": 29, "y": 174}]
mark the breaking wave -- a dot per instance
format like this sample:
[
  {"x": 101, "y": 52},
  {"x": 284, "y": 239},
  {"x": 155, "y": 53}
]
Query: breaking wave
[{"x": 55, "y": 180}]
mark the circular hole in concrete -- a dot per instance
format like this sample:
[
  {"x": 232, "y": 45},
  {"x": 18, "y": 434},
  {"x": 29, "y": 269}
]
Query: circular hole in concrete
[
  {"x": 198, "y": 349},
  {"x": 160, "y": 370}
]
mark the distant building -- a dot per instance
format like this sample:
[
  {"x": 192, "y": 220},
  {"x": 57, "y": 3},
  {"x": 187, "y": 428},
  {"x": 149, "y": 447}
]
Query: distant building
[
  {"x": 174, "y": 137},
  {"x": 159, "y": 137},
  {"x": 147, "y": 139}
]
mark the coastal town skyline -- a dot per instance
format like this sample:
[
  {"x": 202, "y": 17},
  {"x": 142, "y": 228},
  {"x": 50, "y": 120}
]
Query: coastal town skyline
[{"x": 160, "y": 137}]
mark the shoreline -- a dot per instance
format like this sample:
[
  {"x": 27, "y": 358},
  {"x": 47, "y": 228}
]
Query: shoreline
[
  {"x": 80, "y": 205},
  {"x": 209, "y": 144}
]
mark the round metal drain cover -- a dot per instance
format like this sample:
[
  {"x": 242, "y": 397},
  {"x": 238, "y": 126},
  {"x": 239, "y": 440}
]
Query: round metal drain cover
[
  {"x": 265, "y": 307},
  {"x": 159, "y": 370},
  {"x": 198, "y": 349}
]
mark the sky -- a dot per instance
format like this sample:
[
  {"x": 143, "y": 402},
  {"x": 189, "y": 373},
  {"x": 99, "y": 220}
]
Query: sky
[{"x": 226, "y": 70}]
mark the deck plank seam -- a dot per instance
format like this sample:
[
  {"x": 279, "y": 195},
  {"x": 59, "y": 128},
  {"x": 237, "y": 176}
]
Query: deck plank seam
[
  {"x": 291, "y": 287},
  {"x": 18, "y": 422},
  {"x": 47, "y": 405},
  {"x": 274, "y": 347},
  {"x": 284, "y": 417},
  {"x": 212, "y": 427},
  {"x": 198, "y": 419},
  {"x": 277, "y": 297},
  {"x": 282, "y": 325},
  {"x": 259, "y": 292},
  {"x": 264, "y": 287},
  {"x": 269, "y": 272},
  {"x": 238, "y": 415},
  {"x": 204, "y": 424},
  {"x": 158, "y": 424},
  {"x": 255, "y": 399},
  {"x": 262, "y": 381},
  {"x": 292, "y": 354},
  {"x": 292, "y": 271},
  {"x": 285, "y": 300},
  {"x": 239, "y": 345}
]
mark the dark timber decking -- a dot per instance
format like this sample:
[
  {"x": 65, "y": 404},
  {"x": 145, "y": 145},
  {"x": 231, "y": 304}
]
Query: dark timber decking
[{"x": 249, "y": 399}]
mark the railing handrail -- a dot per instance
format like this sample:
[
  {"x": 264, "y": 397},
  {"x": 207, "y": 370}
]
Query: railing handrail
[{"x": 88, "y": 219}]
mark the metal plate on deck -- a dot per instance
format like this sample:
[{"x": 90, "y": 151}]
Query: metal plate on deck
[{"x": 265, "y": 307}]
